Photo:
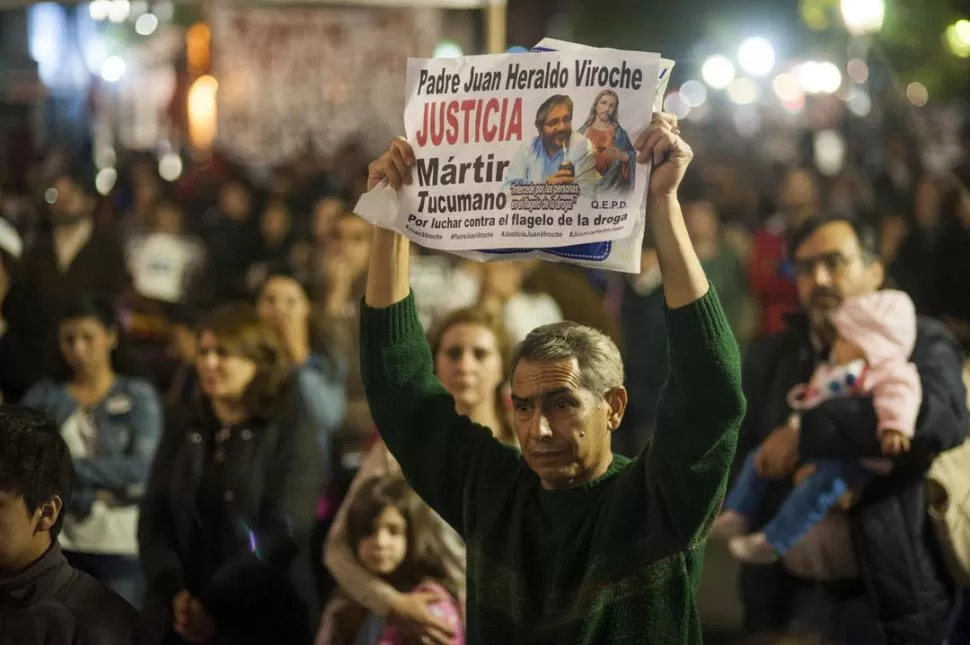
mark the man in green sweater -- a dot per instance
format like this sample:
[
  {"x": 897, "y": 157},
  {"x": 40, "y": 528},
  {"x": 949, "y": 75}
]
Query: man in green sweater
[{"x": 568, "y": 543}]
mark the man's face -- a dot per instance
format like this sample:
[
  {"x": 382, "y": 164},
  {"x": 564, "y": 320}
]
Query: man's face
[
  {"x": 558, "y": 126},
  {"x": 563, "y": 428},
  {"x": 829, "y": 267},
  {"x": 19, "y": 533},
  {"x": 71, "y": 204},
  {"x": 606, "y": 108}
]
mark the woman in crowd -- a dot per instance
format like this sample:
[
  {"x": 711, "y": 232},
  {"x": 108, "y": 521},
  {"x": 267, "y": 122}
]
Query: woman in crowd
[
  {"x": 111, "y": 422},
  {"x": 472, "y": 354},
  {"x": 284, "y": 304},
  {"x": 387, "y": 531},
  {"x": 224, "y": 531}
]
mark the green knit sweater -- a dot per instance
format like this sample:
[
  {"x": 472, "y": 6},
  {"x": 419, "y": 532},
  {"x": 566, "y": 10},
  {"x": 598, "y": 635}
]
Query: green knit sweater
[{"x": 617, "y": 560}]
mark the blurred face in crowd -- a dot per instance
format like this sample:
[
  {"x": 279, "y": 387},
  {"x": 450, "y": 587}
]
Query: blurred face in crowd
[
  {"x": 929, "y": 200},
  {"x": 24, "y": 535},
  {"x": 469, "y": 365},
  {"x": 274, "y": 225},
  {"x": 558, "y": 127},
  {"x": 798, "y": 195},
  {"x": 350, "y": 242},
  {"x": 71, "y": 204},
  {"x": 184, "y": 342},
  {"x": 283, "y": 303},
  {"x": 325, "y": 214},
  {"x": 830, "y": 265},
  {"x": 504, "y": 278},
  {"x": 384, "y": 550},
  {"x": 86, "y": 345},
  {"x": 701, "y": 220},
  {"x": 563, "y": 428},
  {"x": 169, "y": 219},
  {"x": 235, "y": 201},
  {"x": 222, "y": 375}
]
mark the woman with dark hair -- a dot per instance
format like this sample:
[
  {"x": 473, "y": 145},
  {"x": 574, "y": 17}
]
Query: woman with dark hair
[
  {"x": 387, "y": 530},
  {"x": 111, "y": 422},
  {"x": 615, "y": 158},
  {"x": 224, "y": 530},
  {"x": 472, "y": 355},
  {"x": 284, "y": 303}
]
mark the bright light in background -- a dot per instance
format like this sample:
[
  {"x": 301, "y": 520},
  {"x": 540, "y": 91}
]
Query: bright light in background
[
  {"x": 858, "y": 70},
  {"x": 747, "y": 121},
  {"x": 718, "y": 72},
  {"x": 202, "y": 112},
  {"x": 170, "y": 166},
  {"x": 50, "y": 195},
  {"x": 46, "y": 35},
  {"x": 146, "y": 24},
  {"x": 165, "y": 10},
  {"x": 694, "y": 93},
  {"x": 956, "y": 38},
  {"x": 962, "y": 30},
  {"x": 863, "y": 16},
  {"x": 786, "y": 88},
  {"x": 138, "y": 7},
  {"x": 859, "y": 102},
  {"x": 829, "y": 152},
  {"x": 757, "y": 56},
  {"x": 113, "y": 69},
  {"x": 105, "y": 180},
  {"x": 93, "y": 48},
  {"x": 742, "y": 91},
  {"x": 917, "y": 94},
  {"x": 119, "y": 10},
  {"x": 447, "y": 49},
  {"x": 819, "y": 77},
  {"x": 98, "y": 10},
  {"x": 676, "y": 104},
  {"x": 105, "y": 157}
]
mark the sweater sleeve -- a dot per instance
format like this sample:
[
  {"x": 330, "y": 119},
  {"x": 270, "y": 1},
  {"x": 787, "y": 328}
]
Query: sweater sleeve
[
  {"x": 357, "y": 582},
  {"x": 445, "y": 457},
  {"x": 699, "y": 414},
  {"x": 896, "y": 397}
]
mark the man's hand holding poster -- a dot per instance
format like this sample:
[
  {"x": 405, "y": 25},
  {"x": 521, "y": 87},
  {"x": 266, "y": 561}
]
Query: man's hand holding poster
[{"x": 527, "y": 154}]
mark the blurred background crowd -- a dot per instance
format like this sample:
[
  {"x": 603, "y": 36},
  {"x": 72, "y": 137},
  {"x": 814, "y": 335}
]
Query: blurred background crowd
[{"x": 177, "y": 186}]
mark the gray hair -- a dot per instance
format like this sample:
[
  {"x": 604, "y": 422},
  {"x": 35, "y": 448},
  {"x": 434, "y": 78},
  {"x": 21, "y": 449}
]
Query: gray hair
[{"x": 600, "y": 363}]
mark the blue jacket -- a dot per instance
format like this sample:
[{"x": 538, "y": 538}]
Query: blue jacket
[{"x": 129, "y": 423}]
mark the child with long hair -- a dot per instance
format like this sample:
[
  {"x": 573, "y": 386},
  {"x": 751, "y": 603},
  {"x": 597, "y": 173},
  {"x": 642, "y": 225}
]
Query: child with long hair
[{"x": 386, "y": 525}]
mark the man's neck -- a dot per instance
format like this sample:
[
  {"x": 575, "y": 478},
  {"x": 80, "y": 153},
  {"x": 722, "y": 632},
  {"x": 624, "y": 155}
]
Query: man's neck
[{"x": 39, "y": 548}]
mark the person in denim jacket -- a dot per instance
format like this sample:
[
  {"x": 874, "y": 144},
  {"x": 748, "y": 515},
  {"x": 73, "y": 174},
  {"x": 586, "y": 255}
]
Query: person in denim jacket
[{"x": 112, "y": 423}]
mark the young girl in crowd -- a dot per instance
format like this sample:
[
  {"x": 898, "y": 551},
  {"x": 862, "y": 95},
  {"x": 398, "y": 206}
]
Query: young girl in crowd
[
  {"x": 875, "y": 335},
  {"x": 386, "y": 529}
]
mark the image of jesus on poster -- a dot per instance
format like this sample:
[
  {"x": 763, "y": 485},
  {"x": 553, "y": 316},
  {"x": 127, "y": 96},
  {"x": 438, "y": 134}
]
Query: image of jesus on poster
[
  {"x": 615, "y": 158},
  {"x": 558, "y": 154}
]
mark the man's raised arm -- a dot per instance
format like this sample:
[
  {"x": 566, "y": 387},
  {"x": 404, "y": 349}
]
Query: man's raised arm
[
  {"x": 441, "y": 453},
  {"x": 701, "y": 405}
]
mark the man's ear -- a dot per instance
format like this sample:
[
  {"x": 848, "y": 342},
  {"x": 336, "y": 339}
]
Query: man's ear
[
  {"x": 617, "y": 398},
  {"x": 48, "y": 512}
]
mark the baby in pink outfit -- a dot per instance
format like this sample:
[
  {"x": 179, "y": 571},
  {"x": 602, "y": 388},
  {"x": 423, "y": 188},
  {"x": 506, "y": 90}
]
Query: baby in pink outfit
[{"x": 875, "y": 335}]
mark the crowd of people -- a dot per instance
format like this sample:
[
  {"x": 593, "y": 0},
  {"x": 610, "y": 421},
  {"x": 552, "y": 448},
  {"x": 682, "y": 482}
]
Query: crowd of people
[{"x": 257, "y": 420}]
